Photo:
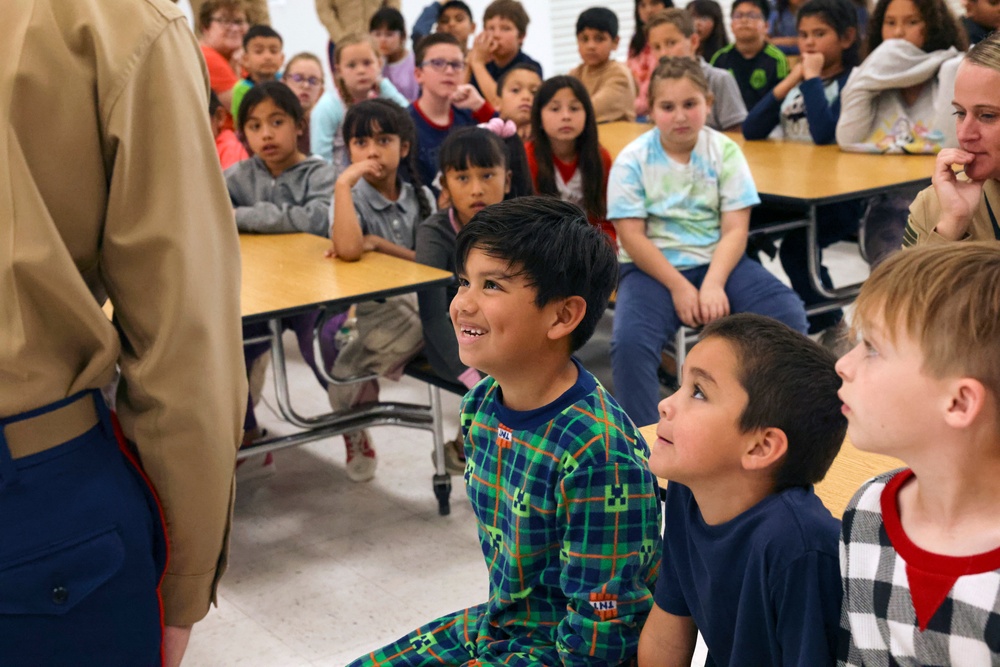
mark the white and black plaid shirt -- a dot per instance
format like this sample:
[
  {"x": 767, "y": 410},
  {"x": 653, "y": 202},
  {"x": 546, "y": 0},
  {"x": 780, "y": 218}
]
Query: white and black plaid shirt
[{"x": 958, "y": 622}]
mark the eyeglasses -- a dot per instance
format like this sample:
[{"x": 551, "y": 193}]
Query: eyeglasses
[
  {"x": 305, "y": 80},
  {"x": 748, "y": 16},
  {"x": 442, "y": 65},
  {"x": 230, "y": 23}
]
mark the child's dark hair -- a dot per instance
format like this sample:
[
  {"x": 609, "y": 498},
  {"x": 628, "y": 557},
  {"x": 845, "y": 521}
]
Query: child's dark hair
[
  {"x": 456, "y": 4},
  {"x": 388, "y": 18},
  {"x": 598, "y": 18},
  {"x": 550, "y": 243},
  {"x": 942, "y": 28},
  {"x": 430, "y": 40},
  {"x": 791, "y": 384},
  {"x": 638, "y": 42},
  {"x": 260, "y": 30},
  {"x": 718, "y": 39},
  {"x": 381, "y": 116},
  {"x": 479, "y": 147},
  {"x": 587, "y": 147},
  {"x": 840, "y": 15},
  {"x": 512, "y": 10},
  {"x": 531, "y": 67},
  {"x": 214, "y": 104},
  {"x": 277, "y": 92},
  {"x": 762, "y": 5}
]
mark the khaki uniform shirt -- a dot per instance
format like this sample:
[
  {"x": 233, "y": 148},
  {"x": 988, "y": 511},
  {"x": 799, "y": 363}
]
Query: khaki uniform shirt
[
  {"x": 926, "y": 210},
  {"x": 611, "y": 88},
  {"x": 110, "y": 184},
  {"x": 346, "y": 17}
]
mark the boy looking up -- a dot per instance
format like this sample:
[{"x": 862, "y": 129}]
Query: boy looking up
[
  {"x": 263, "y": 56},
  {"x": 921, "y": 546},
  {"x": 498, "y": 47},
  {"x": 612, "y": 91},
  {"x": 444, "y": 102},
  {"x": 567, "y": 510},
  {"x": 671, "y": 33},
  {"x": 756, "y": 64},
  {"x": 453, "y": 17},
  {"x": 749, "y": 551}
]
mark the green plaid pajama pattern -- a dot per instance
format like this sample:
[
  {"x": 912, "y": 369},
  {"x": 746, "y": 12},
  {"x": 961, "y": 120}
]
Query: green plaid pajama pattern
[{"x": 569, "y": 522}]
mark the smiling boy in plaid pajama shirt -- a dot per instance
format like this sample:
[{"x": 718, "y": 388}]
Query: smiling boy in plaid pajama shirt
[
  {"x": 567, "y": 510},
  {"x": 920, "y": 547}
]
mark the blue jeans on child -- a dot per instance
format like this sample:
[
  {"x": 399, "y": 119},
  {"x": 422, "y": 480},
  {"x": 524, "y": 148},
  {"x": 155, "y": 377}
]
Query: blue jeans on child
[{"x": 645, "y": 321}]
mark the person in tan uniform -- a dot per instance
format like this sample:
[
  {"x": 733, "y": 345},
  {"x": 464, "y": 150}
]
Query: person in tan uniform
[
  {"x": 110, "y": 185},
  {"x": 965, "y": 207},
  {"x": 348, "y": 17}
]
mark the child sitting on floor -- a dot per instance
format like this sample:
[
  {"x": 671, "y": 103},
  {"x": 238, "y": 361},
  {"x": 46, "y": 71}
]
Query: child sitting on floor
[
  {"x": 567, "y": 510},
  {"x": 749, "y": 551},
  {"x": 920, "y": 548}
]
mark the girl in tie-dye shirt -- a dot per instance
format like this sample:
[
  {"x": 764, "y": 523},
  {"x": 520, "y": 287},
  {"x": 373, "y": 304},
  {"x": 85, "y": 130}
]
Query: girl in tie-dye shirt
[{"x": 680, "y": 199}]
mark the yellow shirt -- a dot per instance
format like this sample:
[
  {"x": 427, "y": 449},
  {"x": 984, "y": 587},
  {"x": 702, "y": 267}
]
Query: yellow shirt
[{"x": 110, "y": 184}]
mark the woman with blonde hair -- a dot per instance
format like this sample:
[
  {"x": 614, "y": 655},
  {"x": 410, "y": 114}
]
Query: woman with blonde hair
[{"x": 963, "y": 206}]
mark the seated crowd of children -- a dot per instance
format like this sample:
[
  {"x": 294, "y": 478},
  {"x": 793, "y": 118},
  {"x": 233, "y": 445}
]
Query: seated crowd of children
[{"x": 464, "y": 157}]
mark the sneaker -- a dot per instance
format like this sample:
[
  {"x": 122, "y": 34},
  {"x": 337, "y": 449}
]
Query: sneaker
[
  {"x": 835, "y": 339},
  {"x": 361, "y": 459},
  {"x": 454, "y": 457},
  {"x": 255, "y": 467}
]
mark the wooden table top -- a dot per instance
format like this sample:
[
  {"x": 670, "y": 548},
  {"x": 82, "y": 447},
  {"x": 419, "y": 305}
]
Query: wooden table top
[
  {"x": 849, "y": 471},
  {"x": 803, "y": 173},
  {"x": 287, "y": 273}
]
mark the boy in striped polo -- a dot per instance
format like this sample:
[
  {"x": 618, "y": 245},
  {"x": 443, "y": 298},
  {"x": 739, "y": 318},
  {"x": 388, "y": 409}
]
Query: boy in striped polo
[
  {"x": 567, "y": 510},
  {"x": 920, "y": 546}
]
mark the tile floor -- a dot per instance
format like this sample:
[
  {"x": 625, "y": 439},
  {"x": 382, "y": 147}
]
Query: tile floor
[{"x": 323, "y": 570}]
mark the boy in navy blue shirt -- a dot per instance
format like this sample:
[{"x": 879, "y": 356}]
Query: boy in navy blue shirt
[
  {"x": 750, "y": 554},
  {"x": 445, "y": 102}
]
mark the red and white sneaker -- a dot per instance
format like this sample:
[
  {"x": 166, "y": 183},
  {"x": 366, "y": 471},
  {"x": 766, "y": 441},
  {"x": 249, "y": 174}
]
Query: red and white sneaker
[{"x": 361, "y": 461}]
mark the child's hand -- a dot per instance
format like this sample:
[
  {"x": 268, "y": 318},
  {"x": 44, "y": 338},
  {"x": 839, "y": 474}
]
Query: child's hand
[
  {"x": 713, "y": 302},
  {"x": 812, "y": 65},
  {"x": 686, "y": 304},
  {"x": 482, "y": 49},
  {"x": 358, "y": 170},
  {"x": 959, "y": 199},
  {"x": 371, "y": 242},
  {"x": 331, "y": 252},
  {"x": 467, "y": 97}
]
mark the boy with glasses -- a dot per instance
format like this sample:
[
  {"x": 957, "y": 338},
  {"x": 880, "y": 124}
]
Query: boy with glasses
[
  {"x": 445, "y": 102},
  {"x": 756, "y": 64}
]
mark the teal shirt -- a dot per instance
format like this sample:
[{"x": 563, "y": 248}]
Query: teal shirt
[{"x": 682, "y": 204}]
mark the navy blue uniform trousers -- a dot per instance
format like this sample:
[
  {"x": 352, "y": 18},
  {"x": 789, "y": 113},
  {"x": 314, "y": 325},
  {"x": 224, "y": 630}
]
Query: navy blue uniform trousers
[{"x": 82, "y": 552}]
